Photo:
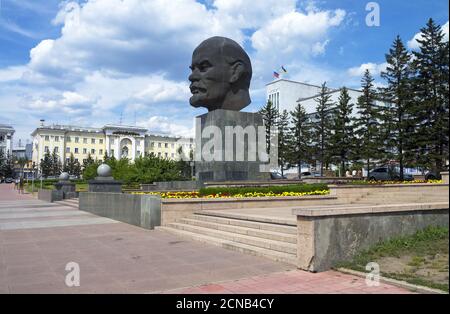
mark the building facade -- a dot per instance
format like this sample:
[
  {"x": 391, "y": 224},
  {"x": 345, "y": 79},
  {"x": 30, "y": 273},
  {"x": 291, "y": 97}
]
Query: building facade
[
  {"x": 6, "y": 139},
  {"x": 287, "y": 94},
  {"x": 113, "y": 140}
]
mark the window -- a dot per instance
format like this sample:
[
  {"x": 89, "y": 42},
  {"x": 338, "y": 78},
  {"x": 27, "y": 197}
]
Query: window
[
  {"x": 152, "y": 144},
  {"x": 112, "y": 152},
  {"x": 93, "y": 151},
  {"x": 159, "y": 145},
  {"x": 101, "y": 141},
  {"x": 56, "y": 149},
  {"x": 77, "y": 139},
  {"x": 76, "y": 159},
  {"x": 138, "y": 142},
  {"x": 173, "y": 145},
  {"x": 159, "y": 154},
  {"x": 138, "y": 153},
  {"x": 67, "y": 160},
  {"x": 166, "y": 155},
  {"x": 76, "y": 150},
  {"x": 84, "y": 151},
  {"x": 92, "y": 140},
  {"x": 100, "y": 151},
  {"x": 46, "y": 149},
  {"x": 67, "y": 149},
  {"x": 84, "y": 140},
  {"x": 112, "y": 141},
  {"x": 56, "y": 138},
  {"x": 166, "y": 145},
  {"x": 173, "y": 155},
  {"x": 68, "y": 139}
]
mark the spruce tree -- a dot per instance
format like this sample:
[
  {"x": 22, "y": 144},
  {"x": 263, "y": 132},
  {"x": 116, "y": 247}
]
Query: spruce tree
[
  {"x": 270, "y": 115},
  {"x": 283, "y": 141},
  {"x": 322, "y": 127},
  {"x": 397, "y": 94},
  {"x": 56, "y": 164},
  {"x": 46, "y": 165},
  {"x": 301, "y": 137},
  {"x": 431, "y": 107},
  {"x": 368, "y": 123},
  {"x": 342, "y": 139}
]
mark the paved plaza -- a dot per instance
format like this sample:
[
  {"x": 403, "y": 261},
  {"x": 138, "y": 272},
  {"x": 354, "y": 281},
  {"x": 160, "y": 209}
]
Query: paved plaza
[{"x": 38, "y": 239}]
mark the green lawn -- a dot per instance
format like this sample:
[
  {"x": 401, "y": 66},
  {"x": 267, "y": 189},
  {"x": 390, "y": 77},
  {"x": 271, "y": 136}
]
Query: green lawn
[{"x": 420, "y": 259}]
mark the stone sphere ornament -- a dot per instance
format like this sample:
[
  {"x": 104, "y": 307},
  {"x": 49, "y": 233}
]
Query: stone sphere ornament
[
  {"x": 64, "y": 176},
  {"x": 104, "y": 170}
]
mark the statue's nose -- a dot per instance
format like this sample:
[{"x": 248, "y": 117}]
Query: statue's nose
[{"x": 194, "y": 76}]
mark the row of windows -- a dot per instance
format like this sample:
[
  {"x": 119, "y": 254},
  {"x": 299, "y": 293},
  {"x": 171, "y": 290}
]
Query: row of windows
[
  {"x": 275, "y": 99},
  {"x": 76, "y": 150},
  {"x": 166, "y": 145},
  {"x": 77, "y": 139}
]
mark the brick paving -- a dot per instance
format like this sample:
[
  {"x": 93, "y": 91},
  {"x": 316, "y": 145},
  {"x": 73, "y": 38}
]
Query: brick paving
[{"x": 38, "y": 239}]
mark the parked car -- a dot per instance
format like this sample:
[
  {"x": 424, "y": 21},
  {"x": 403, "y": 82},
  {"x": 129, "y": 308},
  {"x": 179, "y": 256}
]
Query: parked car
[
  {"x": 386, "y": 174},
  {"x": 277, "y": 176},
  {"x": 9, "y": 180},
  {"x": 435, "y": 175}
]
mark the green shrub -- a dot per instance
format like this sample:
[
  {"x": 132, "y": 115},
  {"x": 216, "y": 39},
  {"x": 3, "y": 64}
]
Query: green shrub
[
  {"x": 274, "y": 189},
  {"x": 146, "y": 169}
]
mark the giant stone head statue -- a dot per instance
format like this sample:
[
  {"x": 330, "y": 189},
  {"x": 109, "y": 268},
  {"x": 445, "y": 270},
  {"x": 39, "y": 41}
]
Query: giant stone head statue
[{"x": 221, "y": 74}]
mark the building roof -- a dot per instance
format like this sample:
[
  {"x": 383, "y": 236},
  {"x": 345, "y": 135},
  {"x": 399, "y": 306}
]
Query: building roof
[
  {"x": 7, "y": 128},
  {"x": 126, "y": 128},
  {"x": 308, "y": 84}
]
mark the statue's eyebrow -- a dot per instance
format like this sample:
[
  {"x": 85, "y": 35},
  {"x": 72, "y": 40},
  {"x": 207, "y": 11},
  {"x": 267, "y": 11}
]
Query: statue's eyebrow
[{"x": 203, "y": 62}]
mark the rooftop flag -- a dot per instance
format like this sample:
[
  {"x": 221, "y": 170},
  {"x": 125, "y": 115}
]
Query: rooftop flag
[
  {"x": 276, "y": 74},
  {"x": 284, "y": 69}
]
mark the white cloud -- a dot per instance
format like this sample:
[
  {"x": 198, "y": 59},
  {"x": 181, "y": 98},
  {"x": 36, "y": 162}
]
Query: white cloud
[
  {"x": 413, "y": 44},
  {"x": 164, "y": 125},
  {"x": 374, "y": 69},
  {"x": 297, "y": 32},
  {"x": 12, "y": 73}
]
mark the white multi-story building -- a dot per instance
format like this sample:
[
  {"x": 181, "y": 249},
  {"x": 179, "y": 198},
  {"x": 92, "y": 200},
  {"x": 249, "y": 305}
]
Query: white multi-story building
[
  {"x": 6, "y": 139},
  {"x": 287, "y": 94},
  {"x": 114, "y": 140}
]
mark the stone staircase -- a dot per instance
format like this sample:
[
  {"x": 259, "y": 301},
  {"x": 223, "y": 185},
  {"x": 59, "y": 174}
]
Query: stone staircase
[
  {"x": 275, "y": 241},
  {"x": 70, "y": 202},
  {"x": 400, "y": 197}
]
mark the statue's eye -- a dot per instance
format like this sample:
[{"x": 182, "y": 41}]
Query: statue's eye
[{"x": 204, "y": 66}]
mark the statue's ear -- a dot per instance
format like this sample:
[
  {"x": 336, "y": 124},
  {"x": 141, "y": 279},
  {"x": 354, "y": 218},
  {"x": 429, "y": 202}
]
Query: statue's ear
[{"x": 237, "y": 70}]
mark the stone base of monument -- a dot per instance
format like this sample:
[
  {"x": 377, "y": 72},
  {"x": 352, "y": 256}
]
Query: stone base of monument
[
  {"x": 105, "y": 184},
  {"x": 229, "y": 124},
  {"x": 66, "y": 188}
]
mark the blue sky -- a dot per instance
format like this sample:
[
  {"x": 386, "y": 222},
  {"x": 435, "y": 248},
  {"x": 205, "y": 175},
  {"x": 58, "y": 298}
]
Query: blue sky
[{"x": 90, "y": 62}]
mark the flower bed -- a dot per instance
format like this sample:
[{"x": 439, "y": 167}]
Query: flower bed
[
  {"x": 225, "y": 192},
  {"x": 364, "y": 182}
]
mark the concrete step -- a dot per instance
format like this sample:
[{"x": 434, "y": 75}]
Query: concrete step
[
  {"x": 271, "y": 235},
  {"x": 277, "y": 220},
  {"x": 235, "y": 246},
  {"x": 68, "y": 203},
  {"x": 245, "y": 239},
  {"x": 245, "y": 223}
]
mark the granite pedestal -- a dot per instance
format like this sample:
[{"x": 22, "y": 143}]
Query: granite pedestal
[
  {"x": 105, "y": 184},
  {"x": 66, "y": 188},
  {"x": 230, "y": 124}
]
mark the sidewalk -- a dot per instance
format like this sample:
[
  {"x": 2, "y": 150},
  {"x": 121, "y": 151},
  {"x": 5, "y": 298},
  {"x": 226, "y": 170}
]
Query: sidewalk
[{"x": 38, "y": 240}]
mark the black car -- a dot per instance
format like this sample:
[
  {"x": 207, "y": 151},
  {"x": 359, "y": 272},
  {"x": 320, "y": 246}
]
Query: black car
[
  {"x": 435, "y": 175},
  {"x": 9, "y": 180}
]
